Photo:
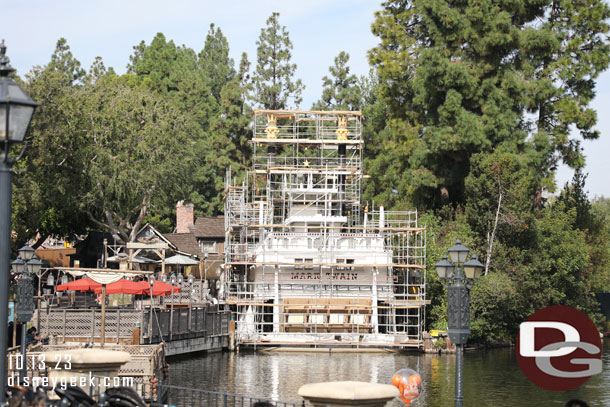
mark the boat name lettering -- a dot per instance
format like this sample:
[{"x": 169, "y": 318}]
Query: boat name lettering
[{"x": 328, "y": 276}]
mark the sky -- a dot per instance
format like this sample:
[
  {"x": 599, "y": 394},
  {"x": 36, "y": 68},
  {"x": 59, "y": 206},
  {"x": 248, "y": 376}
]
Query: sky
[{"x": 319, "y": 30}]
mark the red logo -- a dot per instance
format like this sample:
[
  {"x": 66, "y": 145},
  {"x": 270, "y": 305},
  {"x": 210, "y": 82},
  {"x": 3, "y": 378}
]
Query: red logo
[{"x": 559, "y": 348}]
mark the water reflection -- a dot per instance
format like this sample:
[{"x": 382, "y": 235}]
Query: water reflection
[{"x": 491, "y": 378}]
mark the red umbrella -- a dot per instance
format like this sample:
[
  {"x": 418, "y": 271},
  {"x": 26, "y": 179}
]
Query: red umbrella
[
  {"x": 123, "y": 286},
  {"x": 84, "y": 284},
  {"x": 159, "y": 288}
]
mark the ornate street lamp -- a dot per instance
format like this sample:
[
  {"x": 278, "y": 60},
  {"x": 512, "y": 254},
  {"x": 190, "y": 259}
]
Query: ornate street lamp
[
  {"x": 458, "y": 305},
  {"x": 24, "y": 309},
  {"x": 16, "y": 110}
]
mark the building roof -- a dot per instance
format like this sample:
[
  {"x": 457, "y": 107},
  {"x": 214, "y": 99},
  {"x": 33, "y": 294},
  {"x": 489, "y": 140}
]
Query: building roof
[
  {"x": 149, "y": 234},
  {"x": 185, "y": 243},
  {"x": 209, "y": 227}
]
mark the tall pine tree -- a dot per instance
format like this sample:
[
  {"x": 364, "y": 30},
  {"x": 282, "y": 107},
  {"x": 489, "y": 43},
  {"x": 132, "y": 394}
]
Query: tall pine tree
[
  {"x": 341, "y": 91},
  {"x": 273, "y": 76},
  {"x": 214, "y": 60},
  {"x": 459, "y": 78}
]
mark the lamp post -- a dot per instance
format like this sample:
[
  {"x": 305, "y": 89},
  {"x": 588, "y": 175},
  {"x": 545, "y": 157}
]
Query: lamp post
[
  {"x": 16, "y": 110},
  {"x": 458, "y": 304},
  {"x": 23, "y": 267}
]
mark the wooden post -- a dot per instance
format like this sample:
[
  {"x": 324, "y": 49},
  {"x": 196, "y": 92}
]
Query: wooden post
[
  {"x": 92, "y": 327},
  {"x": 48, "y": 334},
  {"x": 105, "y": 253},
  {"x": 163, "y": 262},
  {"x": 231, "y": 335},
  {"x": 135, "y": 336},
  {"x": 130, "y": 259},
  {"x": 103, "y": 327}
]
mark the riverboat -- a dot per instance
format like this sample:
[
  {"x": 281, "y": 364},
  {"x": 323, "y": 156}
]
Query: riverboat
[{"x": 307, "y": 262}]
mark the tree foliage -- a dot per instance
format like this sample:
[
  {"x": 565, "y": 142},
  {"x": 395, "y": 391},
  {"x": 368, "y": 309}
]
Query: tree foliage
[
  {"x": 341, "y": 91},
  {"x": 214, "y": 61},
  {"x": 45, "y": 195},
  {"x": 273, "y": 77},
  {"x": 460, "y": 78},
  {"x": 138, "y": 154}
]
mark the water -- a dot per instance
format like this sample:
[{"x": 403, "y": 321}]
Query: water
[{"x": 491, "y": 378}]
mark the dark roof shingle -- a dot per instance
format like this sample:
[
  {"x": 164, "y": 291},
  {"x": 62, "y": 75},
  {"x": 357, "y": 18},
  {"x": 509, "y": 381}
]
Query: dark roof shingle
[
  {"x": 209, "y": 227},
  {"x": 185, "y": 242}
]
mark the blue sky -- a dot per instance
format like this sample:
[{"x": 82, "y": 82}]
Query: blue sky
[{"x": 319, "y": 30}]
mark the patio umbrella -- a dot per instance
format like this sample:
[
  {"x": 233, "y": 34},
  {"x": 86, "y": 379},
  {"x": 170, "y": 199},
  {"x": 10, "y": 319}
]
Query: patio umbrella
[
  {"x": 123, "y": 286},
  {"x": 83, "y": 284},
  {"x": 181, "y": 260},
  {"x": 159, "y": 288}
]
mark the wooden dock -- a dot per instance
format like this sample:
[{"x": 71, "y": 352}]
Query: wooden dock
[{"x": 182, "y": 329}]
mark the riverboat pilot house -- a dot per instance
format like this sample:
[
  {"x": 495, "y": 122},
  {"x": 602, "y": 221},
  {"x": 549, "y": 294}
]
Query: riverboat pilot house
[{"x": 306, "y": 261}]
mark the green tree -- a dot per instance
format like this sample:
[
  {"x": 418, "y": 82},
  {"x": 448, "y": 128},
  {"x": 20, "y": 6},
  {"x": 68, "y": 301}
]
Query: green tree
[
  {"x": 500, "y": 204},
  {"x": 341, "y": 91},
  {"x": 561, "y": 58},
  {"x": 495, "y": 309},
  {"x": 157, "y": 64},
  {"x": 44, "y": 198},
  {"x": 138, "y": 51},
  {"x": 459, "y": 78},
  {"x": 97, "y": 70},
  {"x": 214, "y": 61},
  {"x": 226, "y": 145},
  {"x": 62, "y": 60},
  {"x": 138, "y": 154},
  {"x": 574, "y": 196},
  {"x": 273, "y": 76},
  {"x": 599, "y": 242}
]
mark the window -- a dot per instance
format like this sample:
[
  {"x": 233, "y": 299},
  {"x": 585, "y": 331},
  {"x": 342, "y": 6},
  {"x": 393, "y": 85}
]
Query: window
[
  {"x": 303, "y": 264},
  {"x": 349, "y": 264},
  {"x": 207, "y": 246}
]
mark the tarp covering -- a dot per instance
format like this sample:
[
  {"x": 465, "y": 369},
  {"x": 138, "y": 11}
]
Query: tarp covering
[
  {"x": 182, "y": 260},
  {"x": 135, "y": 260},
  {"x": 103, "y": 277}
]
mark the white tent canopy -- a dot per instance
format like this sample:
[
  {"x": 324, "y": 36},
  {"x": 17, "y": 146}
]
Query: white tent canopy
[{"x": 181, "y": 260}]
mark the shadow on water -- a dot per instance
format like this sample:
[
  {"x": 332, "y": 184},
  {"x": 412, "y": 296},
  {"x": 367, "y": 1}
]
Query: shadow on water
[{"x": 491, "y": 377}]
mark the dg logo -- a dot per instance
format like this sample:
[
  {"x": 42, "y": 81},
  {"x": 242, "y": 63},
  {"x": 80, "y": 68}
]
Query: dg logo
[{"x": 559, "y": 348}]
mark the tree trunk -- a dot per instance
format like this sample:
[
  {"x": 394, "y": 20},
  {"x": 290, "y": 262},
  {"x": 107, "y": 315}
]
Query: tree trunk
[{"x": 493, "y": 231}]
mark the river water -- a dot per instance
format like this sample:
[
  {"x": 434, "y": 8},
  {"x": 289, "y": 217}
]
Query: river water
[{"x": 491, "y": 377}]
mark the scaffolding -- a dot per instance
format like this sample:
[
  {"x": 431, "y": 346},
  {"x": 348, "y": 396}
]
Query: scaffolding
[{"x": 306, "y": 261}]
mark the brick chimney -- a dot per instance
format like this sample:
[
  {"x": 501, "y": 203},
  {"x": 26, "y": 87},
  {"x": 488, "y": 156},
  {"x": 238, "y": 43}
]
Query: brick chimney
[{"x": 185, "y": 217}]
